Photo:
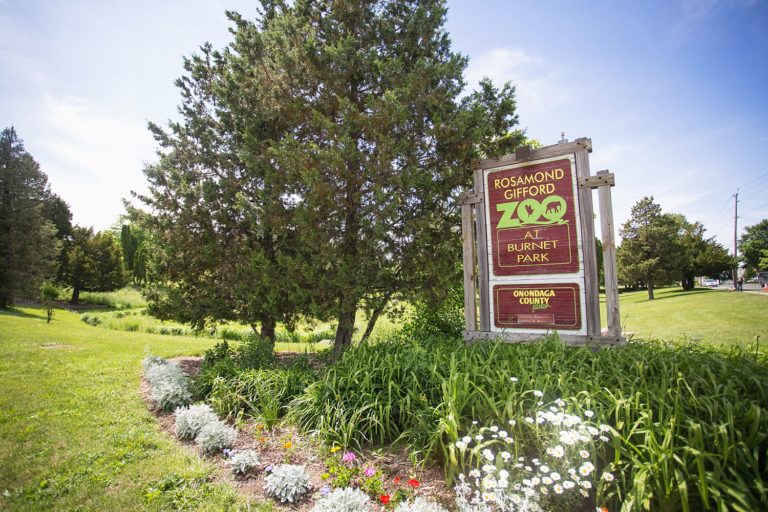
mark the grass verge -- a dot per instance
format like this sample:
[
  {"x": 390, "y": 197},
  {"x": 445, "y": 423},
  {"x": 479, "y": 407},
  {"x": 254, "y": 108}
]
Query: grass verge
[
  {"x": 701, "y": 315},
  {"x": 74, "y": 432}
]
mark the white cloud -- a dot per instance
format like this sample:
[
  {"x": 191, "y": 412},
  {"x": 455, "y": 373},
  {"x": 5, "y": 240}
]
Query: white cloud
[
  {"x": 538, "y": 88},
  {"x": 93, "y": 157}
]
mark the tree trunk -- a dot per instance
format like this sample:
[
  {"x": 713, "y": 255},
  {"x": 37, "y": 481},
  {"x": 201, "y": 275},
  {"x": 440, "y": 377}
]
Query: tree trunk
[
  {"x": 688, "y": 283},
  {"x": 650, "y": 290},
  {"x": 268, "y": 326},
  {"x": 375, "y": 316},
  {"x": 344, "y": 330},
  {"x": 75, "y": 295}
]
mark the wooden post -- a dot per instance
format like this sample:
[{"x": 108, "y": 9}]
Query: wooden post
[
  {"x": 482, "y": 254},
  {"x": 609, "y": 259},
  {"x": 470, "y": 293},
  {"x": 591, "y": 283}
]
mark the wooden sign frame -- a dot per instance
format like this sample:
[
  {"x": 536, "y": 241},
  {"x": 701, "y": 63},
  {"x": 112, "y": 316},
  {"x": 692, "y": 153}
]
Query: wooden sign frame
[{"x": 478, "y": 270}]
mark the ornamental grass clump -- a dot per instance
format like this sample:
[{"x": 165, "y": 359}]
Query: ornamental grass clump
[
  {"x": 345, "y": 499},
  {"x": 559, "y": 478},
  {"x": 215, "y": 436},
  {"x": 168, "y": 384},
  {"x": 189, "y": 420},
  {"x": 287, "y": 483},
  {"x": 243, "y": 462}
]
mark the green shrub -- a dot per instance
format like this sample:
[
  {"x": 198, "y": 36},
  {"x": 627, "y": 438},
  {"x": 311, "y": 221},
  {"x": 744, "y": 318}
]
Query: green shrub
[
  {"x": 224, "y": 369},
  {"x": 90, "y": 319},
  {"x": 688, "y": 423},
  {"x": 254, "y": 352},
  {"x": 443, "y": 317}
]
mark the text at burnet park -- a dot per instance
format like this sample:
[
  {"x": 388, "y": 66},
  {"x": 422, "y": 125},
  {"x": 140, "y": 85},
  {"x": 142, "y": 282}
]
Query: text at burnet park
[{"x": 530, "y": 251}]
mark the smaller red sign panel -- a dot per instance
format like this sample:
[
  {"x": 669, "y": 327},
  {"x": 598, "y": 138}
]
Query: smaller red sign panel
[
  {"x": 537, "y": 306},
  {"x": 532, "y": 213}
]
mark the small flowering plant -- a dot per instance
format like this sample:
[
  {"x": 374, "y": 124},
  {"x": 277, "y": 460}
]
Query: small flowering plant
[
  {"x": 563, "y": 474},
  {"x": 348, "y": 470}
]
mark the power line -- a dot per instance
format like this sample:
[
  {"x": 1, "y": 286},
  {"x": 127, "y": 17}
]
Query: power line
[
  {"x": 755, "y": 193},
  {"x": 759, "y": 178}
]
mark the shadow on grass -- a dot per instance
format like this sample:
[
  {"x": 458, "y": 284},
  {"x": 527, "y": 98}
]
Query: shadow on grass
[
  {"x": 679, "y": 293},
  {"x": 19, "y": 313}
]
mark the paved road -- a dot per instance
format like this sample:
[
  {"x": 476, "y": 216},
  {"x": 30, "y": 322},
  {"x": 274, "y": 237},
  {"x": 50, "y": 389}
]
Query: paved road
[{"x": 748, "y": 287}]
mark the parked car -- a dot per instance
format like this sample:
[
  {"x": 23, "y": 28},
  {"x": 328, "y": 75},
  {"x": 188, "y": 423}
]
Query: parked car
[{"x": 712, "y": 283}]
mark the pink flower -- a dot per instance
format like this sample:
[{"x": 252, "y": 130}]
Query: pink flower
[
  {"x": 369, "y": 472},
  {"x": 348, "y": 457}
]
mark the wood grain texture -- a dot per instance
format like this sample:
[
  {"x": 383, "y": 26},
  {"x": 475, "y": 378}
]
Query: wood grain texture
[
  {"x": 568, "y": 339},
  {"x": 482, "y": 255},
  {"x": 591, "y": 282},
  {"x": 609, "y": 259},
  {"x": 567, "y": 148},
  {"x": 468, "y": 251}
]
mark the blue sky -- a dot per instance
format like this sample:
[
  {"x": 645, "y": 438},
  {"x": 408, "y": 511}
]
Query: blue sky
[{"x": 673, "y": 93}]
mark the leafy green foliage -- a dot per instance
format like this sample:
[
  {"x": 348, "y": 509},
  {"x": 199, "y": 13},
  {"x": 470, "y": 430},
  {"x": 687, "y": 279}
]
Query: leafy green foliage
[
  {"x": 29, "y": 250},
  {"x": 754, "y": 244},
  {"x": 181, "y": 492},
  {"x": 442, "y": 316},
  {"x": 685, "y": 421},
  {"x": 94, "y": 263},
  {"x": 660, "y": 248},
  {"x": 48, "y": 296},
  {"x": 318, "y": 158},
  {"x": 262, "y": 394},
  {"x": 136, "y": 247}
]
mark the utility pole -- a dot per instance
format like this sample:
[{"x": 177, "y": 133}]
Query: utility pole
[{"x": 735, "y": 231}]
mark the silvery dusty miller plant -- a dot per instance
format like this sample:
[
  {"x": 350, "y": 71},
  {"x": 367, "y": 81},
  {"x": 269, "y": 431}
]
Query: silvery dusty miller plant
[
  {"x": 345, "y": 499},
  {"x": 419, "y": 505},
  {"x": 168, "y": 384},
  {"x": 189, "y": 420},
  {"x": 216, "y": 436},
  {"x": 287, "y": 482},
  {"x": 242, "y": 462},
  {"x": 150, "y": 360}
]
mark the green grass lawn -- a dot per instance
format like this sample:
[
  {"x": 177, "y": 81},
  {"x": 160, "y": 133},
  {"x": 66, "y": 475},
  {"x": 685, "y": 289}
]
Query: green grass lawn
[
  {"x": 701, "y": 315},
  {"x": 74, "y": 432}
]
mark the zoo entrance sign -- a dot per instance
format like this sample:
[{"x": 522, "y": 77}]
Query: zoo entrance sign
[{"x": 529, "y": 248}]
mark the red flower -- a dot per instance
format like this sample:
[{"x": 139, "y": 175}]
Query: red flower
[
  {"x": 397, "y": 480},
  {"x": 413, "y": 483},
  {"x": 384, "y": 499}
]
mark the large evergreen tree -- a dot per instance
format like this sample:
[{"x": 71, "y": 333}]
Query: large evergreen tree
[
  {"x": 317, "y": 164},
  {"x": 650, "y": 250},
  {"x": 28, "y": 245},
  {"x": 382, "y": 145}
]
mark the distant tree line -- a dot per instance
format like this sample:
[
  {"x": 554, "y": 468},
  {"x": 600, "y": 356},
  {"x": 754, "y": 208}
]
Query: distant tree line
[
  {"x": 659, "y": 249},
  {"x": 39, "y": 246}
]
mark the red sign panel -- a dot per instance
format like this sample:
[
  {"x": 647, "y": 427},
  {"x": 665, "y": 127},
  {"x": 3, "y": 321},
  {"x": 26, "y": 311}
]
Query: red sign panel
[
  {"x": 537, "y": 306},
  {"x": 533, "y": 219}
]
